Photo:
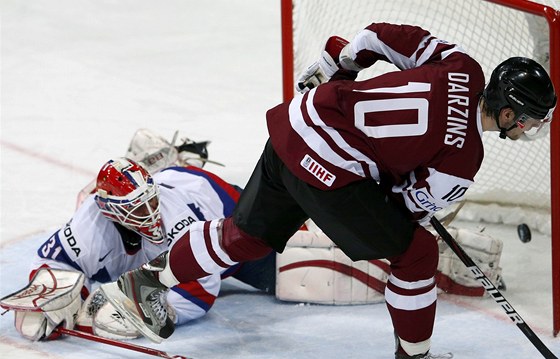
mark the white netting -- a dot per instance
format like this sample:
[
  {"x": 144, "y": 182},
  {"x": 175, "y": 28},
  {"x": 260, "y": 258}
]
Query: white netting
[{"x": 512, "y": 174}]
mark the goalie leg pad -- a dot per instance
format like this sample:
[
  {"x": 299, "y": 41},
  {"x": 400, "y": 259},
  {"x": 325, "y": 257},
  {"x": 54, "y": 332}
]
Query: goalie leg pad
[
  {"x": 485, "y": 251},
  {"x": 313, "y": 270}
]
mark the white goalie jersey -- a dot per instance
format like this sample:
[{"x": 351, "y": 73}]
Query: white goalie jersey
[{"x": 92, "y": 244}]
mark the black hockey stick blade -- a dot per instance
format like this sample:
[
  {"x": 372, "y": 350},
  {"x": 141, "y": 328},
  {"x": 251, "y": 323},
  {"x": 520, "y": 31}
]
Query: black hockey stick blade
[{"x": 491, "y": 289}]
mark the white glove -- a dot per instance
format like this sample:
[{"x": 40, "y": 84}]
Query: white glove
[
  {"x": 51, "y": 299},
  {"x": 317, "y": 73},
  {"x": 321, "y": 71},
  {"x": 152, "y": 150}
]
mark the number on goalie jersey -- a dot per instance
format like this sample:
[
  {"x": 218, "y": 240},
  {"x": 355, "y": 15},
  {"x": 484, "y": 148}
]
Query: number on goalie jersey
[{"x": 103, "y": 249}]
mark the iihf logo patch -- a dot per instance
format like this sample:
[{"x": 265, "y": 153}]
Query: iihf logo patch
[{"x": 317, "y": 170}]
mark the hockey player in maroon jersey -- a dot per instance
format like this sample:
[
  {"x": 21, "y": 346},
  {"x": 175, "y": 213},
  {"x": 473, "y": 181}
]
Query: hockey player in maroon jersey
[{"x": 370, "y": 162}]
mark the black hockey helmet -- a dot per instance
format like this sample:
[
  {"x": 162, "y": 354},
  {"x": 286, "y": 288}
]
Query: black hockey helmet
[{"x": 524, "y": 85}]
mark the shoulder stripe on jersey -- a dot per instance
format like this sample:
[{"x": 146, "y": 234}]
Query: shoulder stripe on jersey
[
  {"x": 195, "y": 293},
  {"x": 371, "y": 42},
  {"x": 227, "y": 193},
  {"x": 53, "y": 249}
]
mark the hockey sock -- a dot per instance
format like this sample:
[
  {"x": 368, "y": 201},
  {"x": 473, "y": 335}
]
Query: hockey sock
[
  {"x": 210, "y": 247},
  {"x": 411, "y": 292}
]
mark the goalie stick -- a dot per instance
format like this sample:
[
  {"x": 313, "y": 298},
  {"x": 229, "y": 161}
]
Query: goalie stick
[
  {"x": 491, "y": 289},
  {"x": 117, "y": 343}
]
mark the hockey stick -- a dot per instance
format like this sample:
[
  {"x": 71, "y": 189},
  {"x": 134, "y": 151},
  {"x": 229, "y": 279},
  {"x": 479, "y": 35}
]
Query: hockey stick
[
  {"x": 117, "y": 343},
  {"x": 446, "y": 220},
  {"x": 491, "y": 289}
]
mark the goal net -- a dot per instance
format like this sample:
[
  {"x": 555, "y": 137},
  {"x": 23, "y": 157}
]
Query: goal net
[{"x": 513, "y": 185}]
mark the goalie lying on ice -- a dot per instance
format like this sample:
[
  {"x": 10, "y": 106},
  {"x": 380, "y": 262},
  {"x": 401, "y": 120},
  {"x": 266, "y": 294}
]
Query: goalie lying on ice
[{"x": 126, "y": 217}]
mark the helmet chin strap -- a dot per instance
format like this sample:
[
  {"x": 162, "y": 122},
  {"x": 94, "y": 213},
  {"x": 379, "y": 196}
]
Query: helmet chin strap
[{"x": 504, "y": 130}]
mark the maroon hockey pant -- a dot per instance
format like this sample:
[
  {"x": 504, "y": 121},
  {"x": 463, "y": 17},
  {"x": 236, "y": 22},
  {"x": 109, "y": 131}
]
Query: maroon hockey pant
[{"x": 358, "y": 218}]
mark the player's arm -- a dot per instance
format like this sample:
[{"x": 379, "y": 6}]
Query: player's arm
[
  {"x": 428, "y": 190},
  {"x": 404, "y": 46}
]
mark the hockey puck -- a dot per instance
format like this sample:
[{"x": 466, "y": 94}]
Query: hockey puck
[{"x": 524, "y": 233}]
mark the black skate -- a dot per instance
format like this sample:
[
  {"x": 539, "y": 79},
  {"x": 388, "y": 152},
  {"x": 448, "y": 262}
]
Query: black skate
[{"x": 141, "y": 298}]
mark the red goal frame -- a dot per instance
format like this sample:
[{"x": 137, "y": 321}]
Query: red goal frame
[{"x": 553, "y": 18}]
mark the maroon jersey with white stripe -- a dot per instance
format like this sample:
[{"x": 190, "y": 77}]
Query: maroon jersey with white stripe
[{"x": 417, "y": 131}]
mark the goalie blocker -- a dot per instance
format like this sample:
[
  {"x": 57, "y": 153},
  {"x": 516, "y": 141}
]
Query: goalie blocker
[
  {"x": 51, "y": 299},
  {"x": 313, "y": 270}
]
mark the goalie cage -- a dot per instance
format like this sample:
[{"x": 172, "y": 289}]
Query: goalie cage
[{"x": 502, "y": 193}]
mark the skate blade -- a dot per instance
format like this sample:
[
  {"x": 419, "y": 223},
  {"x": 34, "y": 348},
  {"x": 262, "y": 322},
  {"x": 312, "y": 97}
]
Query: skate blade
[{"x": 125, "y": 306}]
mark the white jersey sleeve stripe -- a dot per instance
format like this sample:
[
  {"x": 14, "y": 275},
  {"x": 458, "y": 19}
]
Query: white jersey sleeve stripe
[
  {"x": 428, "y": 51},
  {"x": 431, "y": 48},
  {"x": 337, "y": 138},
  {"x": 368, "y": 40},
  {"x": 318, "y": 144}
]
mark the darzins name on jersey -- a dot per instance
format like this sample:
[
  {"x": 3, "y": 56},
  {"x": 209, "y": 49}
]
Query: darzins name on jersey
[{"x": 457, "y": 109}]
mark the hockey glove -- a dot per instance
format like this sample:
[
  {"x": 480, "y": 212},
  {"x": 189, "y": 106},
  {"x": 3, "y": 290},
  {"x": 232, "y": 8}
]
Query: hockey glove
[
  {"x": 328, "y": 67},
  {"x": 51, "y": 299}
]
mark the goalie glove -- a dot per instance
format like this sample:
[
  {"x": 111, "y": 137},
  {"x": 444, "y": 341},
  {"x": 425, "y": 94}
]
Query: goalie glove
[
  {"x": 156, "y": 153},
  {"x": 335, "y": 63},
  {"x": 51, "y": 299},
  {"x": 152, "y": 150},
  {"x": 193, "y": 153}
]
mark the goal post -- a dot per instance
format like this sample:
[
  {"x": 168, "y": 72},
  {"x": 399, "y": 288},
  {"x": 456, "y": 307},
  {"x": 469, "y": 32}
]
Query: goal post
[{"x": 520, "y": 178}]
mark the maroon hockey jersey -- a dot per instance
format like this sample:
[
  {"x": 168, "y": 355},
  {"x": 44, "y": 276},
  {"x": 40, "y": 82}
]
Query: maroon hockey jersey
[{"x": 416, "y": 131}]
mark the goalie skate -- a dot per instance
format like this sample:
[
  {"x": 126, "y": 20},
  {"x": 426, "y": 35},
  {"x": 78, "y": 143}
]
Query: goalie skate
[
  {"x": 139, "y": 297},
  {"x": 125, "y": 307}
]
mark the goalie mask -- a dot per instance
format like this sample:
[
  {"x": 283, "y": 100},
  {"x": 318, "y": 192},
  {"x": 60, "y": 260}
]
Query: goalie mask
[{"x": 128, "y": 195}]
